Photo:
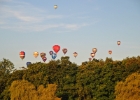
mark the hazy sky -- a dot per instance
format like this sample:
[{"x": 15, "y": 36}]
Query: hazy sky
[{"x": 78, "y": 25}]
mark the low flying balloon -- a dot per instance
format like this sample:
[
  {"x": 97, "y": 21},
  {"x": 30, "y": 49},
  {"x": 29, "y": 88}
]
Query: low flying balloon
[
  {"x": 51, "y": 52},
  {"x": 35, "y": 54},
  {"x": 92, "y": 54},
  {"x": 28, "y": 63},
  {"x": 94, "y": 50},
  {"x": 90, "y": 59},
  {"x": 22, "y": 55},
  {"x": 54, "y": 55},
  {"x": 44, "y": 59},
  {"x": 56, "y": 48},
  {"x": 110, "y": 52},
  {"x": 55, "y": 6},
  {"x": 64, "y": 50},
  {"x": 118, "y": 42},
  {"x": 42, "y": 54},
  {"x": 75, "y": 54}
]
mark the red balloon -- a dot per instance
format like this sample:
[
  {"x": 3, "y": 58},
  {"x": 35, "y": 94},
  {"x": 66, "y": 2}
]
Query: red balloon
[
  {"x": 22, "y": 55},
  {"x": 56, "y": 48}
]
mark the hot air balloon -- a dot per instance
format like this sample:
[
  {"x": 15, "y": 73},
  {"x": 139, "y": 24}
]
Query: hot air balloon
[
  {"x": 90, "y": 59},
  {"x": 42, "y": 54},
  {"x": 54, "y": 55},
  {"x": 75, "y": 54},
  {"x": 64, "y": 51},
  {"x": 22, "y": 55},
  {"x": 118, "y": 42},
  {"x": 56, "y": 48},
  {"x": 94, "y": 50},
  {"x": 92, "y": 54},
  {"x": 110, "y": 52},
  {"x": 44, "y": 58},
  {"x": 35, "y": 54},
  {"x": 28, "y": 63},
  {"x": 51, "y": 52},
  {"x": 55, "y": 6}
]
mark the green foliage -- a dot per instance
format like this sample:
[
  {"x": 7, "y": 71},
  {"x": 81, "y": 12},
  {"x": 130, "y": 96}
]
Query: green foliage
[
  {"x": 6, "y": 67},
  {"x": 93, "y": 80}
]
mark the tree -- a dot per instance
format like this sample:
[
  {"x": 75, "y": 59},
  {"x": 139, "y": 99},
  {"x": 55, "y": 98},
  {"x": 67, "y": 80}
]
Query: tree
[
  {"x": 129, "y": 89},
  {"x": 24, "y": 90},
  {"x": 6, "y": 67}
]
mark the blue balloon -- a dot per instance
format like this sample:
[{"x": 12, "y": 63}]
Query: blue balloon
[
  {"x": 28, "y": 63},
  {"x": 54, "y": 55}
]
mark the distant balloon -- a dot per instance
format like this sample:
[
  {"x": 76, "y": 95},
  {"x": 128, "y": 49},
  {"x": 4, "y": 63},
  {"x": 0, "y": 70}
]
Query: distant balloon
[
  {"x": 92, "y": 54},
  {"x": 56, "y": 48},
  {"x": 64, "y": 51},
  {"x": 90, "y": 59},
  {"x": 51, "y": 52},
  {"x": 42, "y": 54},
  {"x": 35, "y": 54},
  {"x": 110, "y": 52},
  {"x": 44, "y": 59},
  {"x": 118, "y": 42},
  {"x": 28, "y": 63},
  {"x": 55, "y": 6},
  {"x": 22, "y": 55},
  {"x": 94, "y": 50},
  {"x": 54, "y": 55},
  {"x": 75, "y": 54}
]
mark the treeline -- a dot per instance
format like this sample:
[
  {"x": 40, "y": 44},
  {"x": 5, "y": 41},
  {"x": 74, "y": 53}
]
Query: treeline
[{"x": 63, "y": 80}]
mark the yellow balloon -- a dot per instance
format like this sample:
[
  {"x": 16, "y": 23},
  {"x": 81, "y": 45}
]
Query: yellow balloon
[
  {"x": 55, "y": 6},
  {"x": 35, "y": 54}
]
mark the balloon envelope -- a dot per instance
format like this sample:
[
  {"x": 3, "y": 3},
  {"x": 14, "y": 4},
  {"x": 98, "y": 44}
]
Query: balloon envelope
[
  {"x": 22, "y": 55},
  {"x": 54, "y": 55},
  {"x": 75, "y": 54},
  {"x": 64, "y": 51},
  {"x": 56, "y": 48},
  {"x": 44, "y": 59},
  {"x": 90, "y": 59},
  {"x": 94, "y": 50},
  {"x": 55, "y": 6},
  {"x": 118, "y": 42},
  {"x": 28, "y": 63},
  {"x": 110, "y": 52},
  {"x": 51, "y": 52},
  {"x": 35, "y": 54},
  {"x": 92, "y": 54},
  {"x": 42, "y": 54}
]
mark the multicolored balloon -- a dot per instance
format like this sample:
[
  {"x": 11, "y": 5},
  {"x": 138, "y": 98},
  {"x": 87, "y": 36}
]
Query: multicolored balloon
[
  {"x": 54, "y": 55},
  {"x": 42, "y": 54},
  {"x": 118, "y": 42},
  {"x": 35, "y": 54},
  {"x": 44, "y": 59},
  {"x": 94, "y": 50},
  {"x": 55, "y": 6},
  {"x": 110, "y": 52},
  {"x": 22, "y": 55},
  {"x": 92, "y": 54},
  {"x": 51, "y": 52},
  {"x": 64, "y": 50},
  {"x": 28, "y": 63},
  {"x": 75, "y": 54},
  {"x": 56, "y": 48}
]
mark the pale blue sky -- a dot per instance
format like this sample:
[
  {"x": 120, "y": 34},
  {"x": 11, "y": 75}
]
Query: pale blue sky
[{"x": 78, "y": 25}]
